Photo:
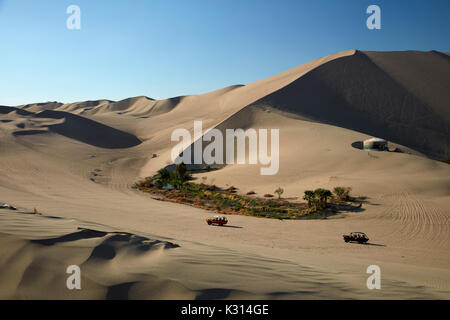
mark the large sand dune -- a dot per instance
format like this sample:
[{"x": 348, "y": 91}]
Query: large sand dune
[
  {"x": 400, "y": 96},
  {"x": 78, "y": 161}
]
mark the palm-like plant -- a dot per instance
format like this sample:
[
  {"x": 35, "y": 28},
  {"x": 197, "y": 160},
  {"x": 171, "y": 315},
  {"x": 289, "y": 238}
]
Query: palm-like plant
[
  {"x": 181, "y": 170},
  {"x": 164, "y": 173},
  {"x": 323, "y": 195},
  {"x": 279, "y": 192},
  {"x": 309, "y": 196}
]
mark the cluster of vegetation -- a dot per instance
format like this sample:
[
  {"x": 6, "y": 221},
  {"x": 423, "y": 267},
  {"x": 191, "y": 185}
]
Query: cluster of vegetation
[
  {"x": 318, "y": 199},
  {"x": 226, "y": 201},
  {"x": 175, "y": 186},
  {"x": 167, "y": 179},
  {"x": 343, "y": 193}
]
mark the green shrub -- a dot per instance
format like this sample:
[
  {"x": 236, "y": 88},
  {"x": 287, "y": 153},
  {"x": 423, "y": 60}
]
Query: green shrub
[
  {"x": 164, "y": 173},
  {"x": 342, "y": 193}
]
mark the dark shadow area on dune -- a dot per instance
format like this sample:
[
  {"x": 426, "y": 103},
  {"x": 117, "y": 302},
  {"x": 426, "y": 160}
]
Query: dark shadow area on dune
[
  {"x": 78, "y": 128},
  {"x": 354, "y": 92},
  {"x": 29, "y": 132},
  {"x": 348, "y": 207},
  {"x": 442, "y": 55},
  {"x": 89, "y": 131},
  {"x": 119, "y": 291},
  {"x": 6, "y": 110},
  {"x": 213, "y": 294},
  {"x": 366, "y": 200},
  {"x": 106, "y": 250},
  {"x": 83, "y": 234},
  {"x": 103, "y": 251}
]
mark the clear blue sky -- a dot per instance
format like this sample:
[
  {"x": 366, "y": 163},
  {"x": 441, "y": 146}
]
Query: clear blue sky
[{"x": 166, "y": 48}]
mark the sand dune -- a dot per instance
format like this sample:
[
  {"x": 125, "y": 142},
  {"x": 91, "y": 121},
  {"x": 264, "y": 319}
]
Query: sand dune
[
  {"x": 118, "y": 265},
  {"x": 31, "y": 262},
  {"x": 76, "y": 163},
  {"x": 71, "y": 126},
  {"x": 402, "y": 97}
]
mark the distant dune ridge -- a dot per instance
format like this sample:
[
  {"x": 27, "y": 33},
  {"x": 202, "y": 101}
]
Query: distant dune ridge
[
  {"x": 76, "y": 162},
  {"x": 401, "y": 96}
]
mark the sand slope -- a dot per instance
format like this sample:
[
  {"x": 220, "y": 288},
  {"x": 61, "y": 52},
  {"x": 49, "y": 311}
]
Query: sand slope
[
  {"x": 78, "y": 161},
  {"x": 402, "y": 97}
]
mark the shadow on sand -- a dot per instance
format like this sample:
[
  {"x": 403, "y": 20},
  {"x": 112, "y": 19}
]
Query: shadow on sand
[
  {"x": 375, "y": 244},
  {"x": 83, "y": 234},
  {"x": 228, "y": 226}
]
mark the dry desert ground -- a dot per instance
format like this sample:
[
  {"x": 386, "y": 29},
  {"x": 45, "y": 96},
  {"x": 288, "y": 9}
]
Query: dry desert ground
[{"x": 76, "y": 163}]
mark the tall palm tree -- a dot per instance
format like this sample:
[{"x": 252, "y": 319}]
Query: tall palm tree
[
  {"x": 181, "y": 170},
  {"x": 309, "y": 196},
  {"x": 323, "y": 195}
]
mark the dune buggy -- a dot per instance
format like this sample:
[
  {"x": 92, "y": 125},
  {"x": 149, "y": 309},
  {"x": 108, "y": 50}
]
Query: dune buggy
[
  {"x": 359, "y": 237},
  {"x": 217, "y": 220}
]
